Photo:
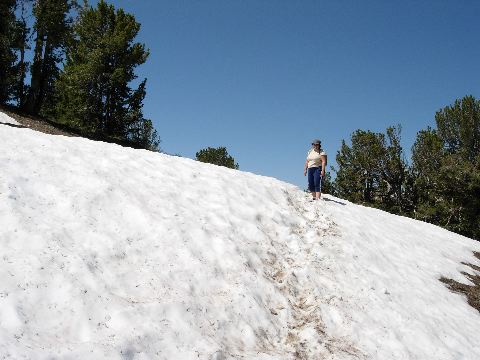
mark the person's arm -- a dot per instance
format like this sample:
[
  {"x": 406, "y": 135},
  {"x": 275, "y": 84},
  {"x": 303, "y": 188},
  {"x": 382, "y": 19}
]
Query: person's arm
[
  {"x": 306, "y": 167},
  {"x": 324, "y": 164}
]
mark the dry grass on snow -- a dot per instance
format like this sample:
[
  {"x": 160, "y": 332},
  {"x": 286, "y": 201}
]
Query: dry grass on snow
[{"x": 472, "y": 292}]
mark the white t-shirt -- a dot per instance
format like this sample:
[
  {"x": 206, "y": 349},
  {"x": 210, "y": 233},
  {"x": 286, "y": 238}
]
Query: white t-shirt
[{"x": 314, "y": 158}]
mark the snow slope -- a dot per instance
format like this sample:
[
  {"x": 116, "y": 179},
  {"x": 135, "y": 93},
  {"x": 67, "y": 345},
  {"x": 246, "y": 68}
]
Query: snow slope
[
  {"x": 113, "y": 253},
  {"x": 5, "y": 119}
]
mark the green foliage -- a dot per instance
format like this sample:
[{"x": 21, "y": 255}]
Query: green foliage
[
  {"x": 7, "y": 53},
  {"x": 20, "y": 38},
  {"x": 359, "y": 166},
  {"x": 372, "y": 170},
  {"x": 427, "y": 156},
  {"x": 442, "y": 186},
  {"x": 328, "y": 185},
  {"x": 94, "y": 93},
  {"x": 446, "y": 168},
  {"x": 459, "y": 128},
  {"x": 394, "y": 174},
  {"x": 52, "y": 29},
  {"x": 218, "y": 156}
]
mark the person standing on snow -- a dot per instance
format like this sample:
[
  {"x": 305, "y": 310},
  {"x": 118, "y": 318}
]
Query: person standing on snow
[{"x": 315, "y": 166}]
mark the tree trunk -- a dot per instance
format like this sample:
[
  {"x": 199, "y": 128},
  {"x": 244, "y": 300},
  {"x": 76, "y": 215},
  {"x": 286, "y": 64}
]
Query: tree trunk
[
  {"x": 35, "y": 82},
  {"x": 22, "y": 74},
  {"x": 42, "y": 82}
]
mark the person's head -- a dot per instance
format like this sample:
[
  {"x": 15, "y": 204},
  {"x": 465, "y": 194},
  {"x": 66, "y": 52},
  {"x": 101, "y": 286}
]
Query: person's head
[{"x": 316, "y": 144}]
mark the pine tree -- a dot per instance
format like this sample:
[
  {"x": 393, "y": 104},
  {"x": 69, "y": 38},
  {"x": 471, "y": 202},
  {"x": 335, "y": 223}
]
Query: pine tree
[
  {"x": 94, "y": 88},
  {"x": 328, "y": 185},
  {"x": 359, "y": 174},
  {"x": 446, "y": 166},
  {"x": 218, "y": 156},
  {"x": 373, "y": 170},
  {"x": 427, "y": 157},
  {"x": 394, "y": 173},
  {"x": 52, "y": 30},
  {"x": 348, "y": 182},
  {"x": 21, "y": 45},
  {"x": 7, "y": 53},
  {"x": 459, "y": 128}
]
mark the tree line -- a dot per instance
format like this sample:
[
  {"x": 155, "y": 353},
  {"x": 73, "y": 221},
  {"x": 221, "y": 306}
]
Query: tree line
[
  {"x": 441, "y": 184},
  {"x": 81, "y": 71}
]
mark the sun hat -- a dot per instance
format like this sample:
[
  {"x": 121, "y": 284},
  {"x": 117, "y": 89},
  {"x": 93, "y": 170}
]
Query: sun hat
[{"x": 316, "y": 141}]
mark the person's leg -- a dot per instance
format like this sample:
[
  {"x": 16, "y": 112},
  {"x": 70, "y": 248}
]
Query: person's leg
[
  {"x": 311, "y": 182},
  {"x": 318, "y": 183},
  {"x": 319, "y": 194}
]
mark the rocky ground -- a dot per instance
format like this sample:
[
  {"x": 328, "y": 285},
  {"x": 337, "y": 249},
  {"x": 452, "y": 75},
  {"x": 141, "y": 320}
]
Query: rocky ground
[{"x": 36, "y": 123}]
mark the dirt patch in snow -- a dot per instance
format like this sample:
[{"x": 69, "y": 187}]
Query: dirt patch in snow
[
  {"x": 37, "y": 123},
  {"x": 472, "y": 292}
]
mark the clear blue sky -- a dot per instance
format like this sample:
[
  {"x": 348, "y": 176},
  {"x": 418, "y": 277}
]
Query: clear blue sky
[{"x": 265, "y": 77}]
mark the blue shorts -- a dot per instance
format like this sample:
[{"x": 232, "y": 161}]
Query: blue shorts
[{"x": 315, "y": 179}]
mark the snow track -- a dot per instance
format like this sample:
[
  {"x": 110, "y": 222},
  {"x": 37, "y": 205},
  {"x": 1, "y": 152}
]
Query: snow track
[{"x": 319, "y": 237}]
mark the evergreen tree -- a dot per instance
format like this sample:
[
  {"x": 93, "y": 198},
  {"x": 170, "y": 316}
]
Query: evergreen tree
[
  {"x": 427, "y": 156},
  {"x": 328, "y": 185},
  {"x": 139, "y": 131},
  {"x": 394, "y": 174},
  {"x": 373, "y": 170},
  {"x": 459, "y": 128},
  {"x": 218, "y": 156},
  {"x": 21, "y": 45},
  {"x": 359, "y": 172},
  {"x": 458, "y": 203},
  {"x": 446, "y": 167},
  {"x": 94, "y": 88},
  {"x": 52, "y": 30},
  {"x": 7, "y": 53}
]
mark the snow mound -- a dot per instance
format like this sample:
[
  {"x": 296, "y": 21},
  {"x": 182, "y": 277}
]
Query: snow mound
[
  {"x": 5, "y": 119},
  {"x": 114, "y": 253}
]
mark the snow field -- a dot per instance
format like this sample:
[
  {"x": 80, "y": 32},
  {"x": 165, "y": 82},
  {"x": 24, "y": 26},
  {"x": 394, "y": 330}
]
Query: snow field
[
  {"x": 5, "y": 119},
  {"x": 114, "y": 253}
]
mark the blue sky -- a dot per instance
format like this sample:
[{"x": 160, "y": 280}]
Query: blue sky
[{"x": 265, "y": 77}]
